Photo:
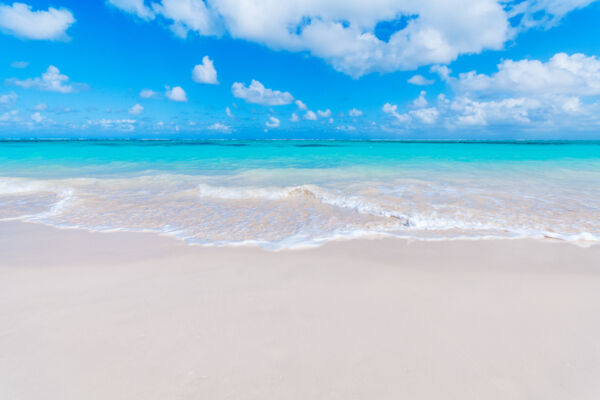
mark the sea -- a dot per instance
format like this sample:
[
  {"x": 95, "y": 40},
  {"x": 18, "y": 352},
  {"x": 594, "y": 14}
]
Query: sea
[{"x": 284, "y": 194}]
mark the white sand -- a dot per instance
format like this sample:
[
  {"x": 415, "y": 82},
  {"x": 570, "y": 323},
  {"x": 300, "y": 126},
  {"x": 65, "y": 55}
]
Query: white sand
[{"x": 136, "y": 316}]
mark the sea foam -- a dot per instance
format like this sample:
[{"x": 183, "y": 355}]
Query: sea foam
[{"x": 199, "y": 211}]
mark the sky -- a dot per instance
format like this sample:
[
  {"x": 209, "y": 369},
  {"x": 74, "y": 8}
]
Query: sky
[{"x": 331, "y": 69}]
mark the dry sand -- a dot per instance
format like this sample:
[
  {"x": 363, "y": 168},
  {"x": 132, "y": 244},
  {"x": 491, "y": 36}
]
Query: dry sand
[{"x": 137, "y": 316}]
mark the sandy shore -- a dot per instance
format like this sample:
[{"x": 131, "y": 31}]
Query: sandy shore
[{"x": 137, "y": 316}]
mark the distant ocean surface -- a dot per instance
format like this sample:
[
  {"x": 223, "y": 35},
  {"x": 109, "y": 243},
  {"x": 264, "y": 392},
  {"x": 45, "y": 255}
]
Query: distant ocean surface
[{"x": 286, "y": 194}]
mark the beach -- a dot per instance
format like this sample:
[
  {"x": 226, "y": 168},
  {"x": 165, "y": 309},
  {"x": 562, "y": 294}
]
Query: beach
[
  {"x": 300, "y": 200},
  {"x": 136, "y": 315}
]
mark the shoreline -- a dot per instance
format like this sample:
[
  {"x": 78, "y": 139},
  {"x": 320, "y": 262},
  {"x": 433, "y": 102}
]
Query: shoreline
[
  {"x": 135, "y": 315},
  {"x": 318, "y": 242}
]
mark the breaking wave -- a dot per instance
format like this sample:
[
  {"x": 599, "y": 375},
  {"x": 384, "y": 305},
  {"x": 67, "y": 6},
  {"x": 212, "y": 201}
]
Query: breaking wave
[{"x": 210, "y": 210}]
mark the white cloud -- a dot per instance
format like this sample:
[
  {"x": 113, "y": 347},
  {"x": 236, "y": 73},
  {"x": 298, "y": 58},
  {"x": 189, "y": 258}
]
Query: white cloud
[
  {"x": 465, "y": 111},
  {"x": 176, "y": 94},
  {"x": 19, "y": 64},
  {"x": 543, "y": 13},
  {"x": 217, "y": 126},
  {"x": 183, "y": 15},
  {"x": 51, "y": 80},
  {"x": 301, "y": 106},
  {"x": 294, "y": 117},
  {"x": 21, "y": 21},
  {"x": 343, "y": 32},
  {"x": 135, "y": 7},
  {"x": 355, "y": 112},
  {"x": 311, "y": 116},
  {"x": 420, "y": 80},
  {"x": 8, "y": 98},
  {"x": 258, "y": 94},
  {"x": 535, "y": 113},
  {"x": 272, "y": 122},
  {"x": 37, "y": 117},
  {"x": 136, "y": 109},
  {"x": 392, "y": 110},
  {"x": 148, "y": 93},
  {"x": 228, "y": 112},
  {"x": 425, "y": 115},
  {"x": 572, "y": 105},
  {"x": 41, "y": 107},
  {"x": 324, "y": 114},
  {"x": 189, "y": 15},
  {"x": 205, "y": 72},
  {"x": 10, "y": 116},
  {"x": 421, "y": 101},
  {"x": 346, "y": 128},
  {"x": 563, "y": 74},
  {"x": 442, "y": 70},
  {"x": 127, "y": 125},
  {"x": 559, "y": 93}
]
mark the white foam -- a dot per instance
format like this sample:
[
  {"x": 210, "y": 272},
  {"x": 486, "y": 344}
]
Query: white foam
[{"x": 194, "y": 209}]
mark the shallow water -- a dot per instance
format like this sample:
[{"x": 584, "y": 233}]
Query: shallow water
[{"x": 280, "y": 194}]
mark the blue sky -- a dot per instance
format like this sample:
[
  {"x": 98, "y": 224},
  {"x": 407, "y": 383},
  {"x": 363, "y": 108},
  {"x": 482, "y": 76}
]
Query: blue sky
[{"x": 300, "y": 69}]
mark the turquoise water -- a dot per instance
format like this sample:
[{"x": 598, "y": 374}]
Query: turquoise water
[{"x": 279, "y": 194}]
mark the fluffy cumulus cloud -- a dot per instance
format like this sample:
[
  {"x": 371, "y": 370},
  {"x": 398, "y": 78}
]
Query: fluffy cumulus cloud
[
  {"x": 561, "y": 92},
  {"x": 324, "y": 114},
  {"x": 421, "y": 101},
  {"x": 256, "y": 93},
  {"x": 358, "y": 37},
  {"x": 465, "y": 112},
  {"x": 563, "y": 74},
  {"x": 21, "y": 20},
  {"x": 182, "y": 16},
  {"x": 542, "y": 13},
  {"x": 136, "y": 109},
  {"x": 189, "y": 15},
  {"x": 175, "y": 94},
  {"x": 8, "y": 98},
  {"x": 420, "y": 80},
  {"x": 392, "y": 109},
  {"x": 51, "y": 80},
  {"x": 310, "y": 115},
  {"x": 135, "y": 7},
  {"x": 37, "y": 117},
  {"x": 272, "y": 123},
  {"x": 301, "y": 106},
  {"x": 426, "y": 115},
  {"x": 355, "y": 112},
  {"x": 442, "y": 70},
  {"x": 418, "y": 114},
  {"x": 148, "y": 94},
  {"x": 10, "y": 116},
  {"x": 205, "y": 72}
]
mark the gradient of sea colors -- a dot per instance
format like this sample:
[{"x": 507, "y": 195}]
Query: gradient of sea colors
[{"x": 285, "y": 194}]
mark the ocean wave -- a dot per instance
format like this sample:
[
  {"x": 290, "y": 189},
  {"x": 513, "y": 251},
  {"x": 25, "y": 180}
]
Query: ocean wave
[
  {"x": 303, "y": 192},
  {"x": 200, "y": 211}
]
